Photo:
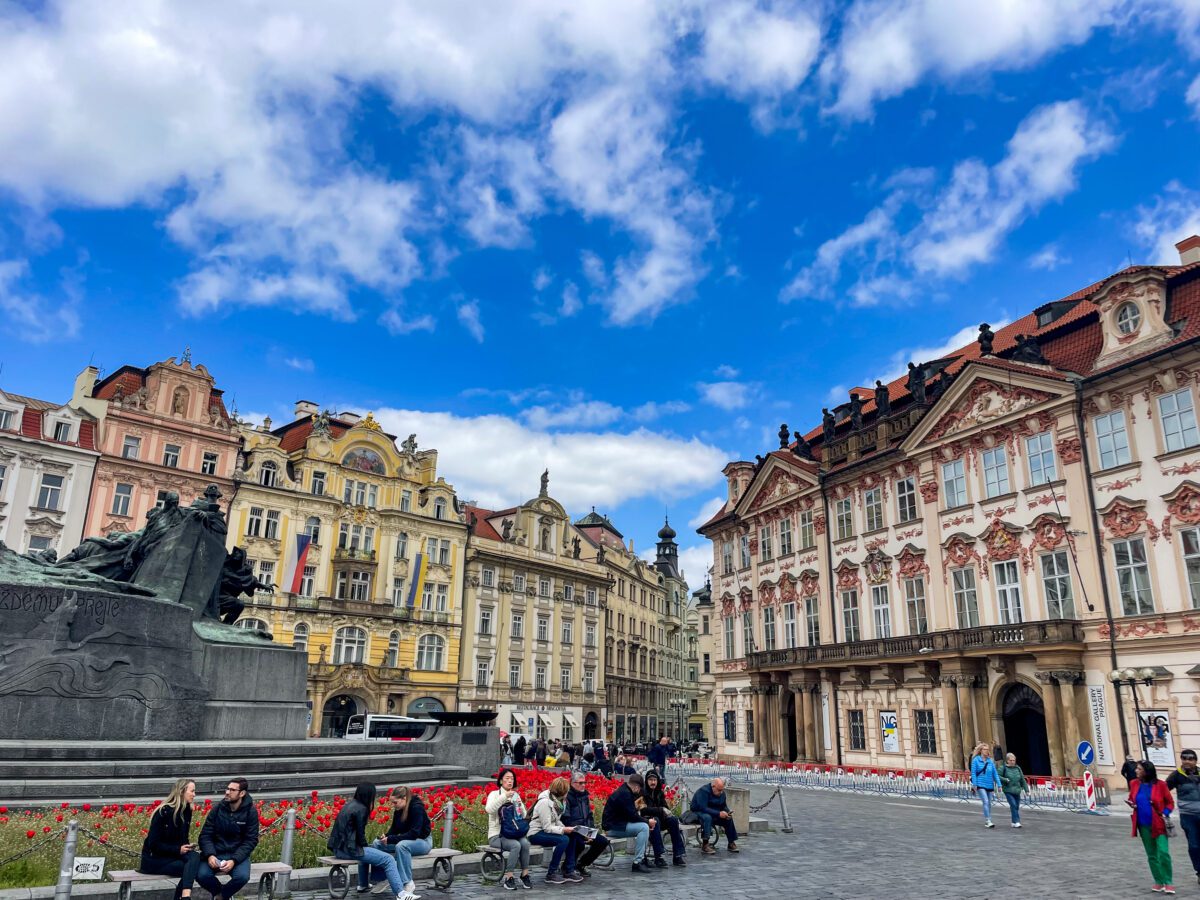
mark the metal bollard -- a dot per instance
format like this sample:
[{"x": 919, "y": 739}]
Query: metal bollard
[
  {"x": 66, "y": 866},
  {"x": 283, "y": 887},
  {"x": 787, "y": 820},
  {"x": 448, "y": 825}
]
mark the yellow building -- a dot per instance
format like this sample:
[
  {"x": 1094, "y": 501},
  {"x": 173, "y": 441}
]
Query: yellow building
[{"x": 376, "y": 599}]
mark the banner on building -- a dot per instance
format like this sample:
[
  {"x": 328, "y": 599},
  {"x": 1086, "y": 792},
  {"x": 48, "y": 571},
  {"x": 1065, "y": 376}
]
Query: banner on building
[
  {"x": 1158, "y": 744},
  {"x": 1098, "y": 713},
  {"x": 890, "y": 732}
]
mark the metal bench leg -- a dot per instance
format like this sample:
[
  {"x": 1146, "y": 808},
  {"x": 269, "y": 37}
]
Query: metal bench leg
[
  {"x": 125, "y": 890},
  {"x": 443, "y": 873},
  {"x": 266, "y": 886},
  {"x": 339, "y": 882}
]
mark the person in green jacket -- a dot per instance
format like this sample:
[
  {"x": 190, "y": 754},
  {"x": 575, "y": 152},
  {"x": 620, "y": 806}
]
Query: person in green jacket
[{"x": 1013, "y": 782}]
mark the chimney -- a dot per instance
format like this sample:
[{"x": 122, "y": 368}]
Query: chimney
[
  {"x": 349, "y": 417},
  {"x": 305, "y": 408},
  {"x": 1189, "y": 250}
]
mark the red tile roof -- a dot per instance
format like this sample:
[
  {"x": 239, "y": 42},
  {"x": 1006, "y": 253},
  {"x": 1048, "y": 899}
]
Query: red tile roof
[
  {"x": 483, "y": 528},
  {"x": 133, "y": 378},
  {"x": 33, "y": 422}
]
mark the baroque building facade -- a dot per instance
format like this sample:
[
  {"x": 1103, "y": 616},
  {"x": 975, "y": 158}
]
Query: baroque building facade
[
  {"x": 533, "y": 617},
  {"x": 376, "y": 598},
  {"x": 973, "y": 552},
  {"x": 162, "y": 428}
]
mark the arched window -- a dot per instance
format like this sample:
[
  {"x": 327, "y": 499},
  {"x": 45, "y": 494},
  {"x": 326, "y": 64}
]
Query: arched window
[
  {"x": 393, "y": 651},
  {"x": 300, "y": 637},
  {"x": 268, "y": 474},
  {"x": 312, "y": 527},
  {"x": 349, "y": 646},
  {"x": 439, "y": 508},
  {"x": 254, "y": 625},
  {"x": 431, "y": 650}
]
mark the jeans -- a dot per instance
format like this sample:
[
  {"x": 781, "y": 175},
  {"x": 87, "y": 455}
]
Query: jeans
[
  {"x": 706, "y": 827},
  {"x": 510, "y": 846},
  {"x": 207, "y": 876},
  {"x": 639, "y": 830},
  {"x": 380, "y": 859},
  {"x": 1191, "y": 827},
  {"x": 404, "y": 851},
  {"x": 186, "y": 868},
  {"x": 985, "y": 797},
  {"x": 593, "y": 851},
  {"x": 1014, "y": 807},
  {"x": 1158, "y": 855},
  {"x": 563, "y": 846}
]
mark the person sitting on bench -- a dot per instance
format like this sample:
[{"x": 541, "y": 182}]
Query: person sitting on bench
[
  {"x": 167, "y": 849},
  {"x": 229, "y": 836}
]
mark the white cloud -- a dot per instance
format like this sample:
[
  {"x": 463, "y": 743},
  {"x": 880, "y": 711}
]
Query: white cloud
[
  {"x": 898, "y": 364},
  {"x": 583, "y": 414},
  {"x": 749, "y": 49},
  {"x": 585, "y": 468},
  {"x": 1172, "y": 216},
  {"x": 31, "y": 316},
  {"x": 725, "y": 394},
  {"x": 542, "y": 280},
  {"x": 1193, "y": 97},
  {"x": 651, "y": 410},
  {"x": 695, "y": 562},
  {"x": 706, "y": 512},
  {"x": 468, "y": 317},
  {"x": 726, "y": 371},
  {"x": 299, "y": 363},
  {"x": 393, "y": 320},
  {"x": 571, "y": 303},
  {"x": 1049, "y": 258}
]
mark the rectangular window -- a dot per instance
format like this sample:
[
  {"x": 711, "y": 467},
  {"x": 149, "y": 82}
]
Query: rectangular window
[
  {"x": 881, "y": 610},
  {"x": 62, "y": 432},
  {"x": 121, "y": 499},
  {"x": 1008, "y": 592},
  {"x": 483, "y": 671},
  {"x": 514, "y": 675},
  {"x": 707, "y": 662},
  {"x": 926, "y": 732},
  {"x": 1111, "y": 439},
  {"x": 1056, "y": 579},
  {"x": 568, "y": 631},
  {"x": 749, "y": 727},
  {"x": 518, "y": 584},
  {"x": 906, "y": 499},
  {"x": 360, "y": 586},
  {"x": 789, "y": 625},
  {"x": 308, "y": 581},
  {"x": 518, "y": 625},
  {"x": 765, "y": 549},
  {"x": 3, "y": 473},
  {"x": 208, "y": 464},
  {"x": 402, "y": 545},
  {"x": 747, "y": 633},
  {"x": 995, "y": 472},
  {"x": 398, "y": 595},
  {"x": 873, "y": 507},
  {"x": 954, "y": 483},
  {"x": 544, "y": 587},
  {"x": 485, "y": 620},
  {"x": 850, "y": 624},
  {"x": 1178, "y": 420},
  {"x": 914, "y": 602},
  {"x": 785, "y": 537},
  {"x": 564, "y": 679},
  {"x": 50, "y": 492},
  {"x": 729, "y": 650},
  {"x": 589, "y": 597},
  {"x": 858, "y": 729},
  {"x": 812, "y": 619},
  {"x": 431, "y": 549},
  {"x": 769, "y": 628},
  {"x": 406, "y": 501},
  {"x": 845, "y": 519},
  {"x": 589, "y": 634},
  {"x": 161, "y": 499},
  {"x": 6, "y": 420},
  {"x": 745, "y": 546},
  {"x": 1133, "y": 577},
  {"x": 318, "y": 484},
  {"x": 568, "y": 592},
  {"x": 543, "y": 628},
  {"x": 727, "y": 557},
  {"x": 271, "y": 532},
  {"x": 589, "y": 681},
  {"x": 966, "y": 604},
  {"x": 266, "y": 573},
  {"x": 132, "y": 447},
  {"x": 1040, "y": 450},
  {"x": 1190, "y": 543},
  {"x": 171, "y": 456},
  {"x": 444, "y": 553},
  {"x": 427, "y": 597},
  {"x": 443, "y": 598},
  {"x": 488, "y": 577},
  {"x": 539, "y": 678},
  {"x": 808, "y": 535},
  {"x": 730, "y": 723}
]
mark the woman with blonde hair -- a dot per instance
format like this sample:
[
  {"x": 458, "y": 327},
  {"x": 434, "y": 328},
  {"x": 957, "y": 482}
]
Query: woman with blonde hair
[
  {"x": 167, "y": 849},
  {"x": 547, "y": 830},
  {"x": 408, "y": 835}
]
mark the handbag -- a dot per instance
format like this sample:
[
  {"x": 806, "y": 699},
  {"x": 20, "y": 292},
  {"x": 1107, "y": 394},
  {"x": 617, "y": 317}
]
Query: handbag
[{"x": 512, "y": 826}]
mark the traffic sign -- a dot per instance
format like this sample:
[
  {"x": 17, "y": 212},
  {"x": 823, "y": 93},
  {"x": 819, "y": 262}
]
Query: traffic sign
[{"x": 1086, "y": 752}]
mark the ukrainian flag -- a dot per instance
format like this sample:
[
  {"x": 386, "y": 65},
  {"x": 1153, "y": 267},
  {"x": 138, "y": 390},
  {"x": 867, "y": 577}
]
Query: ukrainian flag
[{"x": 418, "y": 583}]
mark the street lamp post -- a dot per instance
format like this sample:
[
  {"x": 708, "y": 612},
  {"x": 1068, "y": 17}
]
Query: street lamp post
[
  {"x": 678, "y": 705},
  {"x": 1131, "y": 678}
]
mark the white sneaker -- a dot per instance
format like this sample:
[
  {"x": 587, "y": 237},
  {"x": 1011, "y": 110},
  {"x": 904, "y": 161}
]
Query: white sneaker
[
  {"x": 410, "y": 887},
  {"x": 989, "y": 824},
  {"x": 1016, "y": 824}
]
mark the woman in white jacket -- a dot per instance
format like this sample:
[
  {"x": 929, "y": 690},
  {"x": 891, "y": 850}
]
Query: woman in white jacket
[
  {"x": 506, "y": 793},
  {"x": 547, "y": 830}
]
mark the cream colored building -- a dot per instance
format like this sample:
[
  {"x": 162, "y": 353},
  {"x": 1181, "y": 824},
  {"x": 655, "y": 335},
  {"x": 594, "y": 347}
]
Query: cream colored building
[
  {"x": 377, "y": 601},
  {"x": 968, "y": 553},
  {"x": 534, "y": 622}
]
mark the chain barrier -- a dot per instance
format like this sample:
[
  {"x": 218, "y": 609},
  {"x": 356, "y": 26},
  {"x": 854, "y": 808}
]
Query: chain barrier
[
  {"x": 105, "y": 842},
  {"x": 303, "y": 823},
  {"x": 33, "y": 848},
  {"x": 767, "y": 802}
]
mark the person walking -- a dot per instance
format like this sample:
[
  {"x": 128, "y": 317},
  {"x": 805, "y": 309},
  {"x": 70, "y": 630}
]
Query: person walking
[
  {"x": 657, "y": 807},
  {"x": 577, "y": 813},
  {"x": 506, "y": 751},
  {"x": 519, "y": 751},
  {"x": 985, "y": 780},
  {"x": 408, "y": 835},
  {"x": 1014, "y": 784},
  {"x": 621, "y": 819},
  {"x": 229, "y": 836},
  {"x": 659, "y": 753},
  {"x": 540, "y": 753},
  {"x": 167, "y": 849},
  {"x": 1185, "y": 782},
  {"x": 514, "y": 847},
  {"x": 348, "y": 840},
  {"x": 546, "y": 829},
  {"x": 1150, "y": 800}
]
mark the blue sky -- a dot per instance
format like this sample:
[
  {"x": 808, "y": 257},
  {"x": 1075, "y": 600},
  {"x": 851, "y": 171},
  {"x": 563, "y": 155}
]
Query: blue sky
[{"x": 624, "y": 240}]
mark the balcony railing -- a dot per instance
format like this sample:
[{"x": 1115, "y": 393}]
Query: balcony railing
[
  {"x": 357, "y": 554},
  {"x": 987, "y": 637}
]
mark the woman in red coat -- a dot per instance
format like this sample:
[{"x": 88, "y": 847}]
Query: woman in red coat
[{"x": 1150, "y": 800}]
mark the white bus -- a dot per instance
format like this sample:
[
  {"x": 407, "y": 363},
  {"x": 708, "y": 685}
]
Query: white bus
[{"x": 371, "y": 727}]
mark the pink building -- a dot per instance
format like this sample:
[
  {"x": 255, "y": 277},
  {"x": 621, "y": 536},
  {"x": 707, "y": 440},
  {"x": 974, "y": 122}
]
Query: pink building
[{"x": 164, "y": 428}]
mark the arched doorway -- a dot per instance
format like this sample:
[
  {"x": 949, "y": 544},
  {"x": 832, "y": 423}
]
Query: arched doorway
[
  {"x": 337, "y": 712},
  {"x": 591, "y": 726},
  {"x": 1025, "y": 728},
  {"x": 789, "y": 723}
]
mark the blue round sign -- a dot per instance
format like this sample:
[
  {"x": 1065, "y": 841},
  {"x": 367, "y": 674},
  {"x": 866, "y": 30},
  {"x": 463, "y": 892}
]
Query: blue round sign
[{"x": 1086, "y": 752}]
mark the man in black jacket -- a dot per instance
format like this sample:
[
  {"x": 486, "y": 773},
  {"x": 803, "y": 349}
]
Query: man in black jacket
[
  {"x": 621, "y": 819},
  {"x": 659, "y": 754},
  {"x": 1185, "y": 782},
  {"x": 229, "y": 836},
  {"x": 578, "y": 811}
]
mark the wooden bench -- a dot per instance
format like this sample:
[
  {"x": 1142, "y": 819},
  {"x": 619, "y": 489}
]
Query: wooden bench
[
  {"x": 339, "y": 870},
  {"x": 263, "y": 873}
]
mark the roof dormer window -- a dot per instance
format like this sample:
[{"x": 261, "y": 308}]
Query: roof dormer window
[
  {"x": 1129, "y": 318},
  {"x": 62, "y": 432}
]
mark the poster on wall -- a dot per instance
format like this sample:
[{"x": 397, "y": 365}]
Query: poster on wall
[
  {"x": 891, "y": 734},
  {"x": 1157, "y": 743},
  {"x": 1098, "y": 713}
]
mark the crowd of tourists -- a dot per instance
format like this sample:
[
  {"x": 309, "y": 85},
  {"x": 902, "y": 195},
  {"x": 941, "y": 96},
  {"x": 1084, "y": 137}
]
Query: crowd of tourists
[{"x": 588, "y": 756}]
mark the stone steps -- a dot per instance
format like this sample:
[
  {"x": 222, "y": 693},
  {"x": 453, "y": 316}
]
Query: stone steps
[
  {"x": 10, "y": 750},
  {"x": 198, "y": 768}
]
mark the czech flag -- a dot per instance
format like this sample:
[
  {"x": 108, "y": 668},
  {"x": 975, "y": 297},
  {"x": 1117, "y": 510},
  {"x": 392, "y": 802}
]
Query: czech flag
[{"x": 294, "y": 566}]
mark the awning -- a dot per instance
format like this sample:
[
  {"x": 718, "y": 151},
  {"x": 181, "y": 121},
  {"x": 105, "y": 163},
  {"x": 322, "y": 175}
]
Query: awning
[
  {"x": 545, "y": 720},
  {"x": 569, "y": 719},
  {"x": 518, "y": 723}
]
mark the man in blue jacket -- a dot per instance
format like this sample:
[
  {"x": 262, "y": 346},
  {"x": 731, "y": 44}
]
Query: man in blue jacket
[
  {"x": 709, "y": 804},
  {"x": 659, "y": 754}
]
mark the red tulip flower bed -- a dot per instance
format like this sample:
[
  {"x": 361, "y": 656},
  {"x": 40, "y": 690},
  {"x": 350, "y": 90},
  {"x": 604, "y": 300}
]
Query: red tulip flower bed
[{"x": 119, "y": 828}]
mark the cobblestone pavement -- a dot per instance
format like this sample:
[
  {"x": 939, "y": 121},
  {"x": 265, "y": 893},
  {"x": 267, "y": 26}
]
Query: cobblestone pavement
[{"x": 854, "y": 846}]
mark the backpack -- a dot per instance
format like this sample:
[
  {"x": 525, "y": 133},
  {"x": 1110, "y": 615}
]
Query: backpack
[{"x": 512, "y": 826}]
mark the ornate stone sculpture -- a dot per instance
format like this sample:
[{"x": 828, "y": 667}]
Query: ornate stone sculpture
[
  {"x": 783, "y": 436},
  {"x": 986, "y": 337},
  {"x": 916, "y": 382},
  {"x": 545, "y": 489},
  {"x": 1028, "y": 350},
  {"x": 828, "y": 425},
  {"x": 506, "y": 529},
  {"x": 576, "y": 548},
  {"x": 410, "y": 445},
  {"x": 883, "y": 403},
  {"x": 802, "y": 448},
  {"x": 856, "y": 421}
]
